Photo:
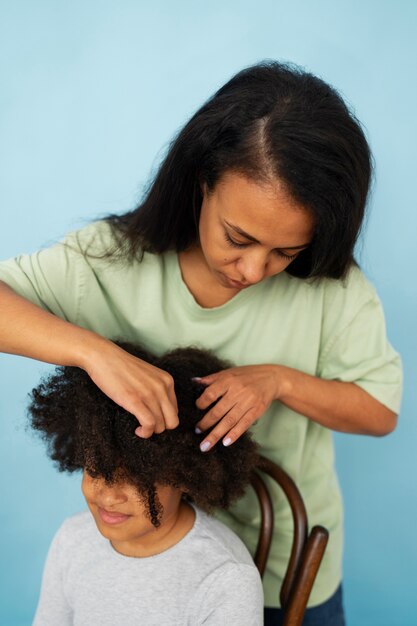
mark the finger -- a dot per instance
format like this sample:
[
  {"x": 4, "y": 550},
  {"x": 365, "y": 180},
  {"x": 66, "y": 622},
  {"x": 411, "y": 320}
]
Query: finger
[
  {"x": 230, "y": 435},
  {"x": 226, "y": 424},
  {"x": 168, "y": 405},
  {"x": 206, "y": 380},
  {"x": 152, "y": 403},
  {"x": 211, "y": 394},
  {"x": 249, "y": 419},
  {"x": 144, "y": 430},
  {"x": 216, "y": 413},
  {"x": 169, "y": 413},
  {"x": 173, "y": 399},
  {"x": 147, "y": 423}
]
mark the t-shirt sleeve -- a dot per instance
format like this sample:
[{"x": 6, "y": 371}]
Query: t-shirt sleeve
[
  {"x": 360, "y": 352},
  {"x": 230, "y": 596},
  {"x": 56, "y": 278},
  {"x": 53, "y": 607},
  {"x": 51, "y": 278}
]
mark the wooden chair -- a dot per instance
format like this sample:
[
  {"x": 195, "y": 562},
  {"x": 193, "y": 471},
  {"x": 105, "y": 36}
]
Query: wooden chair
[{"x": 307, "y": 549}]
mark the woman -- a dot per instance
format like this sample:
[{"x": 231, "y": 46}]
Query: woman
[{"x": 243, "y": 245}]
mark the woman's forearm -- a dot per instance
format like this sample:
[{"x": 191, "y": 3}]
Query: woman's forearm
[
  {"x": 340, "y": 406},
  {"x": 140, "y": 388},
  {"x": 28, "y": 330}
]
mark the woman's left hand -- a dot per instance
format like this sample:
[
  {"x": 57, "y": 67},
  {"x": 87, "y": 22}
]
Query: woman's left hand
[{"x": 242, "y": 395}]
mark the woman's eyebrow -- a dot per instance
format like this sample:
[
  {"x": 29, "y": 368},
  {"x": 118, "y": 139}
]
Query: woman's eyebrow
[{"x": 239, "y": 231}]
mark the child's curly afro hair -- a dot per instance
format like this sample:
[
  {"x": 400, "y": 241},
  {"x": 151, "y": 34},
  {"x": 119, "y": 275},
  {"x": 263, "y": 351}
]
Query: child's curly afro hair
[{"x": 86, "y": 430}]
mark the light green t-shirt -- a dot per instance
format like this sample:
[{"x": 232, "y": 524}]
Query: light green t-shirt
[{"x": 331, "y": 329}]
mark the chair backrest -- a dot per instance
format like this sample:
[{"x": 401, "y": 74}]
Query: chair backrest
[{"x": 307, "y": 549}]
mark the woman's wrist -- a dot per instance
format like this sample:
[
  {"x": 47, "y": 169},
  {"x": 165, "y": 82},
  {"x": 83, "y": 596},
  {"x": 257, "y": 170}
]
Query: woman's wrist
[
  {"x": 283, "y": 381},
  {"x": 87, "y": 349}
]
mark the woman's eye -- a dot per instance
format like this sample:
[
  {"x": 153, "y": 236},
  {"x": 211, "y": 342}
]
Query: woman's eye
[
  {"x": 289, "y": 257},
  {"x": 236, "y": 244},
  {"x": 233, "y": 243}
]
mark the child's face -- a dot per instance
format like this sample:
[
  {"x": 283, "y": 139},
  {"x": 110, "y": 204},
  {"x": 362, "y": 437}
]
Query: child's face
[{"x": 122, "y": 518}]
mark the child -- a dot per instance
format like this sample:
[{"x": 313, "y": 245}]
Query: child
[{"x": 158, "y": 558}]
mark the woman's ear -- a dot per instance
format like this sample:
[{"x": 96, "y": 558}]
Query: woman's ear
[{"x": 203, "y": 187}]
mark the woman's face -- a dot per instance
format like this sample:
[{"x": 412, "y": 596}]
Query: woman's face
[{"x": 250, "y": 231}]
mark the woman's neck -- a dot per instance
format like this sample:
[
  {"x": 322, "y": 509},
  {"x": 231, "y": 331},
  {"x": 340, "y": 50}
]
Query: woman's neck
[{"x": 203, "y": 286}]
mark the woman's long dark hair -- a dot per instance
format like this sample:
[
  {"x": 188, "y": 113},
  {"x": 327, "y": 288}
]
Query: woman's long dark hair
[{"x": 271, "y": 120}]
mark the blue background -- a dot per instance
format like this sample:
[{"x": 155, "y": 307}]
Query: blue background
[{"x": 91, "y": 92}]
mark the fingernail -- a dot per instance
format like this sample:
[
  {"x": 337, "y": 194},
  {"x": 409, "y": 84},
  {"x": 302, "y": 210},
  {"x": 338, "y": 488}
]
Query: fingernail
[
  {"x": 198, "y": 431},
  {"x": 197, "y": 378},
  {"x": 205, "y": 446},
  {"x": 227, "y": 442}
]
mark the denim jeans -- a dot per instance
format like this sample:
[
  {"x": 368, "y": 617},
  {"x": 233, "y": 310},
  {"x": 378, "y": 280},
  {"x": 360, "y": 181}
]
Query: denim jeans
[{"x": 330, "y": 613}]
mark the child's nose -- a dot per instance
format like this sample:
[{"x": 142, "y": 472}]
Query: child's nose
[{"x": 110, "y": 495}]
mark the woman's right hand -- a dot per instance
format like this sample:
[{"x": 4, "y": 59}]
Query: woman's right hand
[{"x": 139, "y": 387}]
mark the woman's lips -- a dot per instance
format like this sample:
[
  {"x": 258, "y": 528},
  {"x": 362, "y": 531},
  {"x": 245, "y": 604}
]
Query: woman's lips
[
  {"x": 235, "y": 283},
  {"x": 112, "y": 518}
]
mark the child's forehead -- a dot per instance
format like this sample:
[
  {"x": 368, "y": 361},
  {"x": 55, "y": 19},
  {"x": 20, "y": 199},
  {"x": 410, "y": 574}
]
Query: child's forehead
[
  {"x": 122, "y": 480},
  {"x": 118, "y": 476}
]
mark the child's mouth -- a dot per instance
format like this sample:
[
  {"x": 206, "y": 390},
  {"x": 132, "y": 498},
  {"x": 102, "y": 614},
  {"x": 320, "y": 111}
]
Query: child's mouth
[{"x": 112, "y": 518}]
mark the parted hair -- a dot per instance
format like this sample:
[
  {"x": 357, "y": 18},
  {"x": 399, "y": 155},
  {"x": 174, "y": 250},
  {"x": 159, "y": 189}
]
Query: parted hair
[
  {"x": 85, "y": 430},
  {"x": 270, "y": 121}
]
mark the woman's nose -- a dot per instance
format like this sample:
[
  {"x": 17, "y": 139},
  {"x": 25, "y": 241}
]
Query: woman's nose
[{"x": 253, "y": 267}]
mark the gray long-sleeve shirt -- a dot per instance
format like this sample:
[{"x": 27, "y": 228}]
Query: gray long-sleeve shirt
[{"x": 207, "y": 578}]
